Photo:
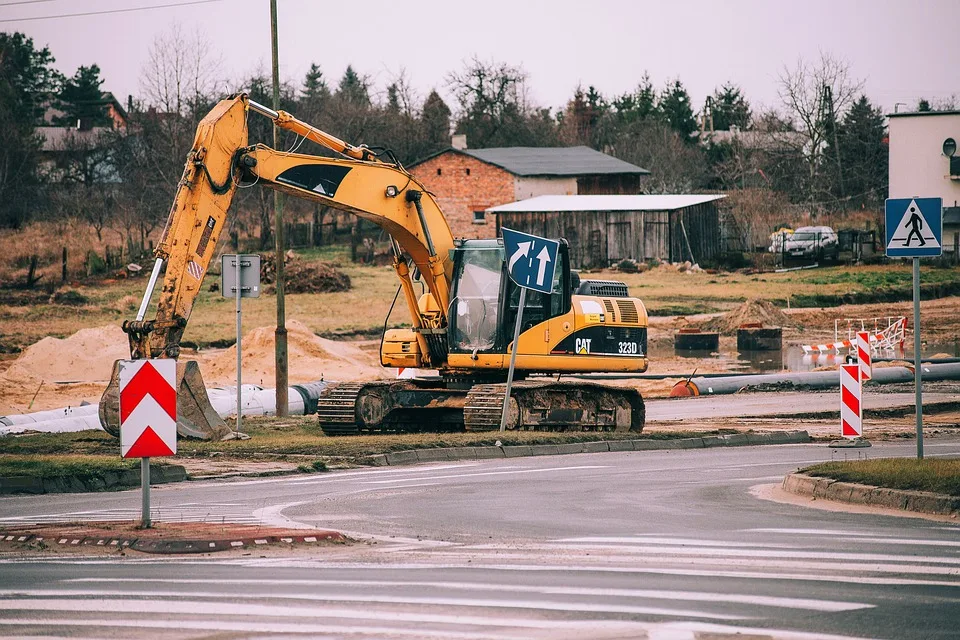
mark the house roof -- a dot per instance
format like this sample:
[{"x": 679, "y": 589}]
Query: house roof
[
  {"x": 913, "y": 114},
  {"x": 542, "y": 204},
  {"x": 549, "y": 161},
  {"x": 70, "y": 138}
]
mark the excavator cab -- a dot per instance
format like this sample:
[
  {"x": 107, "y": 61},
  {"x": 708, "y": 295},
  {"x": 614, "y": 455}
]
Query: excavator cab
[{"x": 485, "y": 300}]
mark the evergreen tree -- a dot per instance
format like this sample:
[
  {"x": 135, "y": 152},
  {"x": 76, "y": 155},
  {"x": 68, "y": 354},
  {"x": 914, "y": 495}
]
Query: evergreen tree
[
  {"x": 923, "y": 105},
  {"x": 641, "y": 104},
  {"x": 81, "y": 100},
  {"x": 27, "y": 82},
  {"x": 393, "y": 99},
  {"x": 435, "y": 120},
  {"x": 676, "y": 110},
  {"x": 353, "y": 88},
  {"x": 863, "y": 153},
  {"x": 730, "y": 108},
  {"x": 314, "y": 85}
]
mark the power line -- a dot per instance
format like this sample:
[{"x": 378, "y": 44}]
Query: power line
[
  {"x": 10, "y": 4},
  {"x": 100, "y": 13}
]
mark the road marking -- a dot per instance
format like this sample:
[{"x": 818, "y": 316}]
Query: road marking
[
  {"x": 272, "y": 516},
  {"x": 696, "y": 596},
  {"x": 709, "y": 552},
  {"x": 270, "y": 629},
  {"x": 199, "y": 607},
  {"x": 494, "y": 473},
  {"x": 676, "y": 541}
]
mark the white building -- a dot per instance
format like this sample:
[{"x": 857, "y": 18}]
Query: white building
[{"x": 923, "y": 164}]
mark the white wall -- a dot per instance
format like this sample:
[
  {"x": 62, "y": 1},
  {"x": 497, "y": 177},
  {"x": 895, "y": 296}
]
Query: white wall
[
  {"x": 917, "y": 166},
  {"x": 532, "y": 187}
]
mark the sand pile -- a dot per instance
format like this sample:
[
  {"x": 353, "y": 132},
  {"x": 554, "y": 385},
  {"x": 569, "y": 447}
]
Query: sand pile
[
  {"x": 300, "y": 277},
  {"x": 751, "y": 311},
  {"x": 86, "y": 356},
  {"x": 310, "y": 358}
]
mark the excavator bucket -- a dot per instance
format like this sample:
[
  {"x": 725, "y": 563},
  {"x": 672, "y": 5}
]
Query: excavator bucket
[{"x": 196, "y": 418}]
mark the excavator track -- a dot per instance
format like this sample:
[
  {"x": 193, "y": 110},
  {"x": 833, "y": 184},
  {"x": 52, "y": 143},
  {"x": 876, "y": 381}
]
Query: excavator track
[
  {"x": 555, "y": 406},
  {"x": 413, "y": 406},
  {"x": 484, "y": 407},
  {"x": 336, "y": 409}
]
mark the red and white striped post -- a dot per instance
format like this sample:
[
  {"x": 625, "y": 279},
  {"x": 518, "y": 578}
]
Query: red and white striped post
[
  {"x": 851, "y": 407},
  {"x": 864, "y": 356}
]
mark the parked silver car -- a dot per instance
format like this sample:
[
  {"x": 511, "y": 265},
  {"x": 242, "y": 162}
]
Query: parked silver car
[{"x": 813, "y": 243}]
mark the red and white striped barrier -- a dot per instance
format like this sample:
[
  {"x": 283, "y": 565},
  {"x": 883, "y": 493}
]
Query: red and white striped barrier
[
  {"x": 864, "y": 356},
  {"x": 851, "y": 407},
  {"x": 831, "y": 346}
]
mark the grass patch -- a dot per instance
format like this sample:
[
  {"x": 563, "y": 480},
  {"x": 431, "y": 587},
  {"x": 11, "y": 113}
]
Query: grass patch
[
  {"x": 276, "y": 438},
  {"x": 937, "y": 476},
  {"x": 84, "y": 467}
]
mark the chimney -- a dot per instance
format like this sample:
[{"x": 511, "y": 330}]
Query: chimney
[{"x": 459, "y": 141}]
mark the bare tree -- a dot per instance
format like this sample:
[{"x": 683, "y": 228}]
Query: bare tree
[
  {"x": 815, "y": 94},
  {"x": 677, "y": 167},
  {"x": 181, "y": 71}
]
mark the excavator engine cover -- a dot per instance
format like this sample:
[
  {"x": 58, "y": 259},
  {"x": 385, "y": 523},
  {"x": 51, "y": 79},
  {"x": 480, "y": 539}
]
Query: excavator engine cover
[{"x": 196, "y": 417}]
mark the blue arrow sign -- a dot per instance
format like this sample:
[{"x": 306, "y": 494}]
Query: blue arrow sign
[
  {"x": 914, "y": 227},
  {"x": 531, "y": 260}
]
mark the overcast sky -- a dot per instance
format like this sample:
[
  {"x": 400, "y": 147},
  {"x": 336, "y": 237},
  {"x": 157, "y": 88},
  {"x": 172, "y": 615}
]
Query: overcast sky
[{"x": 902, "y": 50}]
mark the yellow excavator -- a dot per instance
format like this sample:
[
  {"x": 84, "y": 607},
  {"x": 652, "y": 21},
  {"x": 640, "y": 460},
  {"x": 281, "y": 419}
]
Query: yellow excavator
[{"x": 461, "y": 323}]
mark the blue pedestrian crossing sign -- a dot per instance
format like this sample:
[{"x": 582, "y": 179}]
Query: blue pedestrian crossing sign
[
  {"x": 914, "y": 227},
  {"x": 531, "y": 260}
]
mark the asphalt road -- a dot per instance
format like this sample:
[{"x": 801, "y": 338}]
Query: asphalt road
[{"x": 660, "y": 544}]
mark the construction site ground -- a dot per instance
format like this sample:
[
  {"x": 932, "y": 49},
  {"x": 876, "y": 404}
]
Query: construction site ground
[{"x": 57, "y": 355}]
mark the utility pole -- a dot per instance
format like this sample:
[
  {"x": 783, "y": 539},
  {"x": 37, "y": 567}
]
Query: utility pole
[{"x": 280, "y": 336}]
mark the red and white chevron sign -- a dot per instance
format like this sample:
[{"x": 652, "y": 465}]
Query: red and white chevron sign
[
  {"x": 148, "y": 408},
  {"x": 864, "y": 355},
  {"x": 851, "y": 407}
]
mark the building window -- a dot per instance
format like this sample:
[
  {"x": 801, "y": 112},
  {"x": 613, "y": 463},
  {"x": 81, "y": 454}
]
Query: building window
[
  {"x": 480, "y": 217},
  {"x": 468, "y": 170},
  {"x": 439, "y": 171}
]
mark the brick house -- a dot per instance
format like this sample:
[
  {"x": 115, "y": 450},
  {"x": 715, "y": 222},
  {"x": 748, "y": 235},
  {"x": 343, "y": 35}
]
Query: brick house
[{"x": 466, "y": 182}]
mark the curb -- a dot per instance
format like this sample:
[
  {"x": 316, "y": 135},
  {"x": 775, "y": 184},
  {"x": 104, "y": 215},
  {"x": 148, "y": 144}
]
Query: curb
[
  {"x": 903, "y": 500},
  {"x": 167, "y": 546},
  {"x": 443, "y": 454},
  {"x": 109, "y": 481}
]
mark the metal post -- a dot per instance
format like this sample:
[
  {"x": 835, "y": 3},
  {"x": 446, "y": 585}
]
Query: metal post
[
  {"x": 151, "y": 285},
  {"x": 145, "y": 492},
  {"x": 280, "y": 336},
  {"x": 916, "y": 356},
  {"x": 239, "y": 338},
  {"x": 513, "y": 359}
]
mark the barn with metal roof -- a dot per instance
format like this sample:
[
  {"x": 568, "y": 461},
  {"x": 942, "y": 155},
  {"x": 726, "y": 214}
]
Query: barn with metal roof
[
  {"x": 604, "y": 229},
  {"x": 466, "y": 182}
]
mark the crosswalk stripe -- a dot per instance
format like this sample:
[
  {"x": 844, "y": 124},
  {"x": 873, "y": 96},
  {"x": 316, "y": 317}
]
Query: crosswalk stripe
[
  {"x": 189, "y": 607},
  {"x": 698, "y": 596}
]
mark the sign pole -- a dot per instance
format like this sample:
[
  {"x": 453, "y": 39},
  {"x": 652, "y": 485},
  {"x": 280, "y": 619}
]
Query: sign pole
[
  {"x": 239, "y": 337},
  {"x": 513, "y": 358},
  {"x": 145, "y": 493},
  {"x": 917, "y": 370}
]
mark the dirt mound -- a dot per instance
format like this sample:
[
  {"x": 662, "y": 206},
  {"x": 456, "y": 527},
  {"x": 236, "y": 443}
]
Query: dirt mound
[
  {"x": 751, "y": 311},
  {"x": 310, "y": 358},
  {"x": 86, "y": 356},
  {"x": 302, "y": 277}
]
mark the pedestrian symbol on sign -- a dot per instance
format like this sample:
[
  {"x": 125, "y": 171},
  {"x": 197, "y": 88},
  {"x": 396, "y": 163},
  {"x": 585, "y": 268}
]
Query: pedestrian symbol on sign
[{"x": 914, "y": 227}]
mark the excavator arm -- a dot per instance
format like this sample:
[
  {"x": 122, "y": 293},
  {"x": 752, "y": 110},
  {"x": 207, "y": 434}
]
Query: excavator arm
[{"x": 221, "y": 159}]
